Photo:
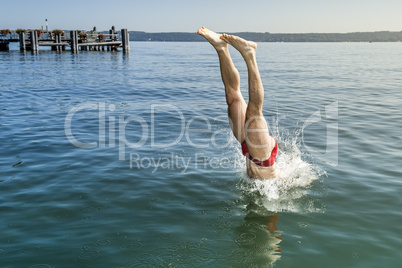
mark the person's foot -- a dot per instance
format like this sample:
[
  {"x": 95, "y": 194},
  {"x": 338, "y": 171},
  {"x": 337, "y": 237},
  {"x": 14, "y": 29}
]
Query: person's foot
[
  {"x": 213, "y": 38},
  {"x": 246, "y": 48}
]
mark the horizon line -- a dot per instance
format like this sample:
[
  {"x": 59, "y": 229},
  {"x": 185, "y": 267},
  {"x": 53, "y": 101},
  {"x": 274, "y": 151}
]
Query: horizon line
[
  {"x": 152, "y": 32},
  {"x": 275, "y": 32}
]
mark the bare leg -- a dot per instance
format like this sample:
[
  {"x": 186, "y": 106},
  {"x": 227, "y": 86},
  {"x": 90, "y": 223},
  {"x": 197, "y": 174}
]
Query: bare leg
[
  {"x": 231, "y": 80},
  {"x": 259, "y": 142}
]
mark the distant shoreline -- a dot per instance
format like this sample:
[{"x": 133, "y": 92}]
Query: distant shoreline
[{"x": 383, "y": 36}]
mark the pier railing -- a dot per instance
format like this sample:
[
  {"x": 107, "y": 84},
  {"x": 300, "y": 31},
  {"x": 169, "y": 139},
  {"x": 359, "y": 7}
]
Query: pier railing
[
  {"x": 92, "y": 37},
  {"x": 48, "y": 36}
]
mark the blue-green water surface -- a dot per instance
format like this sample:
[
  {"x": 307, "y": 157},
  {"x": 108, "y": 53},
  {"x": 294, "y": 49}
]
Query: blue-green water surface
[{"x": 127, "y": 160}]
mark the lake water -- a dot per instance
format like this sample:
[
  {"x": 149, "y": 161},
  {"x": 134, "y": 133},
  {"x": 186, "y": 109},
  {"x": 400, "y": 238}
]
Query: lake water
[{"x": 127, "y": 160}]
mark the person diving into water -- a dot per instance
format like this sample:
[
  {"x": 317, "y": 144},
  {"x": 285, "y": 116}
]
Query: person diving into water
[{"x": 246, "y": 119}]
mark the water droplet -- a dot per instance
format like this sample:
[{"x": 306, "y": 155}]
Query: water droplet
[
  {"x": 132, "y": 245},
  {"x": 201, "y": 201},
  {"x": 89, "y": 254},
  {"x": 145, "y": 256},
  {"x": 303, "y": 224},
  {"x": 41, "y": 266},
  {"x": 165, "y": 236},
  {"x": 246, "y": 239},
  {"x": 201, "y": 212},
  {"x": 29, "y": 249},
  {"x": 103, "y": 242}
]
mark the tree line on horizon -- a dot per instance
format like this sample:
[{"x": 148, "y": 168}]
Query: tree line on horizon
[{"x": 383, "y": 36}]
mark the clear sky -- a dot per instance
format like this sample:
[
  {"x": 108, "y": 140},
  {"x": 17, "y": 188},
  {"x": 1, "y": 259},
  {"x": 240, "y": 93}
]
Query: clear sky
[{"x": 275, "y": 16}]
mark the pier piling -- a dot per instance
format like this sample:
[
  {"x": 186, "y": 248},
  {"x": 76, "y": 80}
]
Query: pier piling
[
  {"x": 58, "y": 41},
  {"x": 36, "y": 43},
  {"x": 125, "y": 40},
  {"x": 22, "y": 41},
  {"x": 33, "y": 38},
  {"x": 74, "y": 41}
]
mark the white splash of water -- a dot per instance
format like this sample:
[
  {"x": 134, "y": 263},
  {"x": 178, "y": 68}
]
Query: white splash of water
[{"x": 282, "y": 194}]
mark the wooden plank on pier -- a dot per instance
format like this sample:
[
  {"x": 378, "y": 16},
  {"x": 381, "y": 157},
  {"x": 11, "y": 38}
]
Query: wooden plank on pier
[
  {"x": 44, "y": 44},
  {"x": 114, "y": 43}
]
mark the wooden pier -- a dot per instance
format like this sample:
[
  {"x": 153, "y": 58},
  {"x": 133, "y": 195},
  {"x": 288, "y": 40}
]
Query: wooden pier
[{"x": 76, "y": 40}]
